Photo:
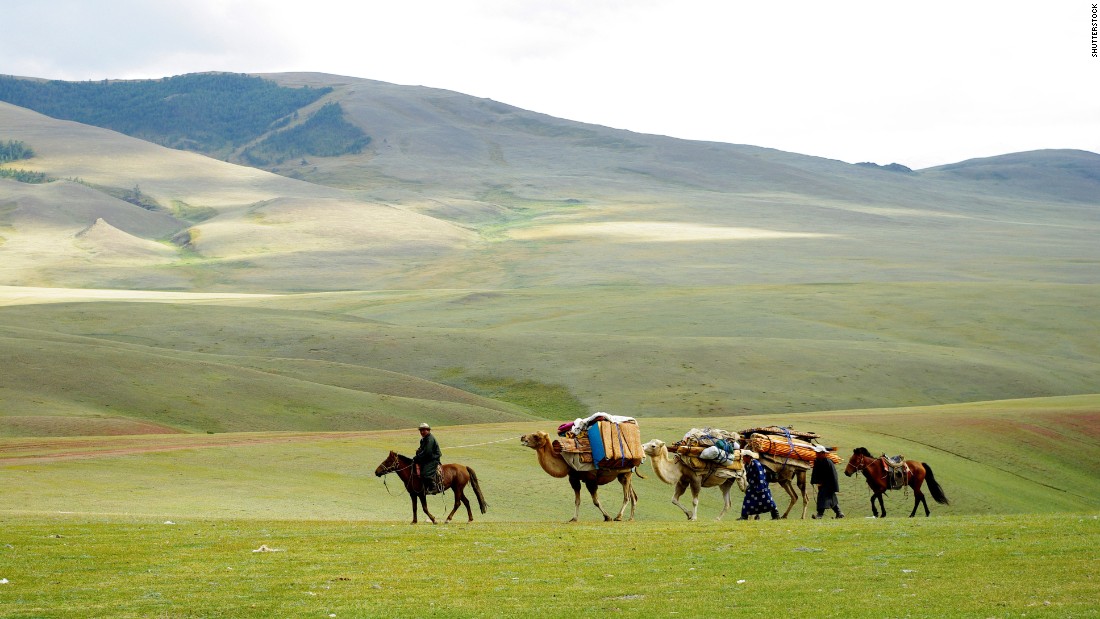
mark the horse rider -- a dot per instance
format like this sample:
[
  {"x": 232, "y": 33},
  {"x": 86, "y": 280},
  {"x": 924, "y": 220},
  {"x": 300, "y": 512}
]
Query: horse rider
[
  {"x": 758, "y": 498},
  {"x": 824, "y": 476},
  {"x": 427, "y": 459}
]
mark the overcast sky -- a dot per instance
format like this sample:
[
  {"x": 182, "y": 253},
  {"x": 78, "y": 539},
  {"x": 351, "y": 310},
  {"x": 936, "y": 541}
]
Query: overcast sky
[{"x": 918, "y": 83}]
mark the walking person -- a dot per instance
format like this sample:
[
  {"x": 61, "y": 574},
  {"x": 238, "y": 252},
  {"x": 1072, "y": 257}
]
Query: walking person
[
  {"x": 427, "y": 459},
  {"x": 825, "y": 477},
  {"x": 758, "y": 498}
]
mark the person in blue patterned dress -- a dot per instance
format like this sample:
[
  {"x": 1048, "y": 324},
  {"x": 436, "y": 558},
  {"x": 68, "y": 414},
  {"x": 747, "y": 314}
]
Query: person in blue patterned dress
[{"x": 758, "y": 498}]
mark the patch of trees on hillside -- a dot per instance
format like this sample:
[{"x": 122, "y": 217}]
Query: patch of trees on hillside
[
  {"x": 14, "y": 150},
  {"x": 212, "y": 113},
  {"x": 324, "y": 134}
]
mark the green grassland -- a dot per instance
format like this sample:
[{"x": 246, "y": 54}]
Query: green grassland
[
  {"x": 988, "y": 566},
  {"x": 166, "y": 526}
]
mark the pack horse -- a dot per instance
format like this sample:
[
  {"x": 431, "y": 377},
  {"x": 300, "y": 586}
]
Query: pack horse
[{"x": 881, "y": 478}]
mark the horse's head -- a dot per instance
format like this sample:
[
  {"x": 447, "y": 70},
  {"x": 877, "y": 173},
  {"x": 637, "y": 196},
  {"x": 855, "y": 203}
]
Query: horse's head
[
  {"x": 389, "y": 465},
  {"x": 536, "y": 440},
  {"x": 857, "y": 462},
  {"x": 653, "y": 447}
]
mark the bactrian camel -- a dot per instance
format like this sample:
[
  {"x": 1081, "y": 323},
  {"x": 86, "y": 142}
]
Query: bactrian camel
[
  {"x": 786, "y": 475},
  {"x": 556, "y": 466},
  {"x": 671, "y": 470}
]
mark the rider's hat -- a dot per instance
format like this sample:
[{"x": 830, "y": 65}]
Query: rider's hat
[{"x": 424, "y": 426}]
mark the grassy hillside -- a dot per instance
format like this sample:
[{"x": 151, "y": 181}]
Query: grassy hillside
[
  {"x": 369, "y": 360},
  {"x": 478, "y": 260}
]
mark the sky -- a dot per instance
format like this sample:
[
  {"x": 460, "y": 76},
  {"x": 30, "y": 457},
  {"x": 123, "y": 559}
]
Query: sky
[{"x": 917, "y": 83}]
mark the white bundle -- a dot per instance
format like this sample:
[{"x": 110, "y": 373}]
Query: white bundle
[{"x": 717, "y": 454}]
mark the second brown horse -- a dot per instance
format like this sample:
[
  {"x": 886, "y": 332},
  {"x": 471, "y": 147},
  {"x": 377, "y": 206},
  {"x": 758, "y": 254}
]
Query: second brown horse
[{"x": 876, "y": 472}]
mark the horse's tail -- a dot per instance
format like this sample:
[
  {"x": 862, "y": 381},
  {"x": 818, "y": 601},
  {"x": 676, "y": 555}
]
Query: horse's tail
[
  {"x": 477, "y": 490},
  {"x": 933, "y": 486}
]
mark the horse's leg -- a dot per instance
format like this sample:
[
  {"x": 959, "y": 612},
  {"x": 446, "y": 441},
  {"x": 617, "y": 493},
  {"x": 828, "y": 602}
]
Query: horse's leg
[
  {"x": 918, "y": 499},
  {"x": 678, "y": 490},
  {"x": 466, "y": 501},
  {"x": 424, "y": 505},
  {"x": 413, "y": 497},
  {"x": 458, "y": 499},
  {"x": 874, "y": 509}
]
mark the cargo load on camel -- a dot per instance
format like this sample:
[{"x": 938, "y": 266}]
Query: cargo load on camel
[
  {"x": 709, "y": 449},
  {"x": 601, "y": 441},
  {"x": 786, "y": 446}
]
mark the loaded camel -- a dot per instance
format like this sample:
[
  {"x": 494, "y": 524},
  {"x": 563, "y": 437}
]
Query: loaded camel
[
  {"x": 671, "y": 470},
  {"x": 556, "y": 466},
  {"x": 785, "y": 476}
]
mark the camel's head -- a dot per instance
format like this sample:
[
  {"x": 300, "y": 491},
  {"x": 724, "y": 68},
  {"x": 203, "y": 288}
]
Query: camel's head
[
  {"x": 536, "y": 440},
  {"x": 653, "y": 447},
  {"x": 742, "y": 482}
]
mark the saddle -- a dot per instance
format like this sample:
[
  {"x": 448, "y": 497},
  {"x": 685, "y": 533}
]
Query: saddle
[
  {"x": 432, "y": 485},
  {"x": 896, "y": 471}
]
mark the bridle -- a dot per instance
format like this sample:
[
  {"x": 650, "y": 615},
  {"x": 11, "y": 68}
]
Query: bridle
[
  {"x": 864, "y": 462},
  {"x": 396, "y": 467}
]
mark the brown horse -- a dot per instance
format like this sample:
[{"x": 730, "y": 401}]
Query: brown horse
[
  {"x": 455, "y": 477},
  {"x": 876, "y": 471}
]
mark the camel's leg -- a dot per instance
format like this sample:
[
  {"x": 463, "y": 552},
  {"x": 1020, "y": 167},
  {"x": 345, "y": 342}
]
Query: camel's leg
[
  {"x": 802, "y": 489},
  {"x": 594, "y": 490},
  {"x": 789, "y": 487},
  {"x": 727, "y": 499},
  {"x": 576, "y": 505},
  {"x": 696, "y": 487},
  {"x": 627, "y": 497},
  {"x": 633, "y": 497},
  {"x": 680, "y": 487}
]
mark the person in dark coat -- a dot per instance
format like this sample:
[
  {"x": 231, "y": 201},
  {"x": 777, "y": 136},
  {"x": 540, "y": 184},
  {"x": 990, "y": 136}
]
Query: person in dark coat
[
  {"x": 824, "y": 476},
  {"x": 427, "y": 458},
  {"x": 758, "y": 498}
]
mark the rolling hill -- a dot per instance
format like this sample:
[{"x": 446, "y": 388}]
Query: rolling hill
[{"x": 475, "y": 262}]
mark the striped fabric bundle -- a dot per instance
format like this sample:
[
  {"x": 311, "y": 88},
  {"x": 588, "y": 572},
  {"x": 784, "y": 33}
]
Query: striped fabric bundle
[{"x": 782, "y": 447}]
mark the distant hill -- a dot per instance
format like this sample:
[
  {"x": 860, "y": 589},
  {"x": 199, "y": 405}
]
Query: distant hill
[
  {"x": 211, "y": 113},
  {"x": 1064, "y": 174},
  {"x": 473, "y": 248}
]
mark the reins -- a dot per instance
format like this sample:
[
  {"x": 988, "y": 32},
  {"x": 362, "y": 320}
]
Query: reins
[{"x": 396, "y": 469}]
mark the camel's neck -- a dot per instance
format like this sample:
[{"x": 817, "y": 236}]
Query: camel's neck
[
  {"x": 553, "y": 464},
  {"x": 665, "y": 467}
]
